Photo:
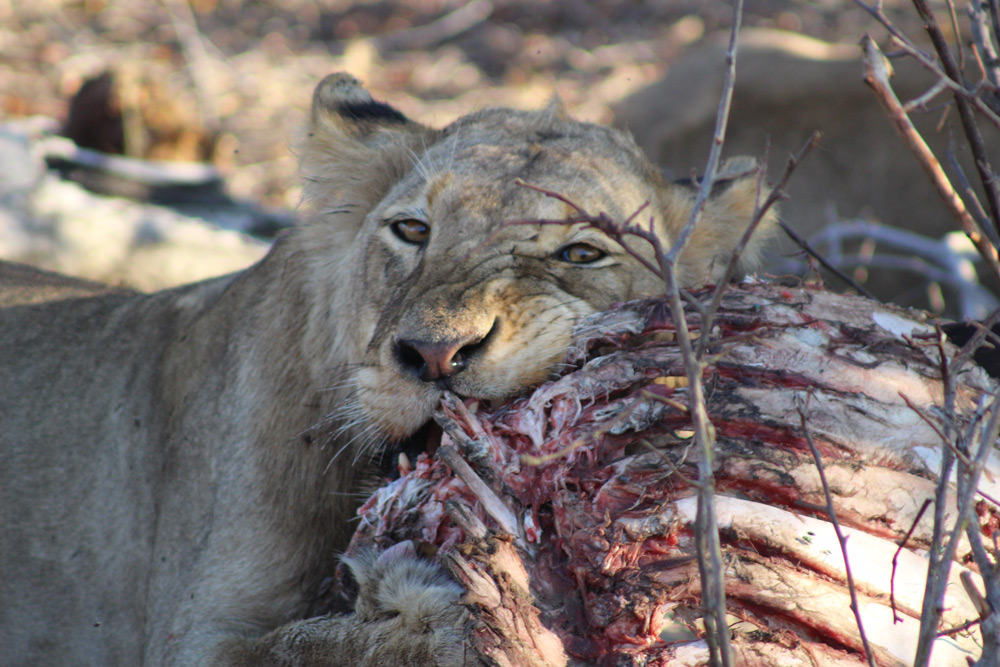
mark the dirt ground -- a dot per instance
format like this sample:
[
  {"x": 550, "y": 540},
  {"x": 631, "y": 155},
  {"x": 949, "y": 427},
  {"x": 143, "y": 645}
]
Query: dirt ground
[{"x": 241, "y": 73}]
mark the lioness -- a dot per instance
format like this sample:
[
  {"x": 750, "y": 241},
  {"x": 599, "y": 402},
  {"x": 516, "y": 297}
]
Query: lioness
[{"x": 179, "y": 469}]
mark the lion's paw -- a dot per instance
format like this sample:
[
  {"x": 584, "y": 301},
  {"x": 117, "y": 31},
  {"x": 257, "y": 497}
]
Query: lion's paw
[{"x": 413, "y": 602}]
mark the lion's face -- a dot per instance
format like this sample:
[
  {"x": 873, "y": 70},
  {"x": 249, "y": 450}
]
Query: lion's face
[{"x": 449, "y": 284}]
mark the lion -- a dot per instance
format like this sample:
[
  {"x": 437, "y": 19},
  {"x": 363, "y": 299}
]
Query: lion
[{"x": 180, "y": 469}]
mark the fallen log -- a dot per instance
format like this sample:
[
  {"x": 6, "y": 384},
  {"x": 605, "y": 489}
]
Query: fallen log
[{"x": 568, "y": 514}]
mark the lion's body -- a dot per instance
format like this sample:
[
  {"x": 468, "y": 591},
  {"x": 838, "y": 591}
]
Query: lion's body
[
  {"x": 179, "y": 469},
  {"x": 134, "y": 478}
]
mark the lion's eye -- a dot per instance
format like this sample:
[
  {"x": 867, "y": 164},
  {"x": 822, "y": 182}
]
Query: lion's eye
[
  {"x": 412, "y": 231},
  {"x": 580, "y": 253}
]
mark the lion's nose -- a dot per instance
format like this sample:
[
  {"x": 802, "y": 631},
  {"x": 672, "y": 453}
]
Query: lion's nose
[{"x": 432, "y": 361}]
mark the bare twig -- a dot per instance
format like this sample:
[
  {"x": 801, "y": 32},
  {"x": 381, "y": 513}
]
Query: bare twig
[
  {"x": 718, "y": 139},
  {"x": 454, "y": 23},
  {"x": 945, "y": 440},
  {"x": 922, "y": 101},
  {"x": 614, "y": 230},
  {"x": 983, "y": 331},
  {"x": 896, "y": 618},
  {"x": 673, "y": 467},
  {"x": 938, "y": 565},
  {"x": 707, "y": 540},
  {"x": 928, "y": 259},
  {"x": 960, "y": 628},
  {"x": 944, "y": 540},
  {"x": 981, "y": 38},
  {"x": 708, "y": 546},
  {"x": 841, "y": 538},
  {"x": 929, "y": 63},
  {"x": 802, "y": 243},
  {"x": 994, "y": 6},
  {"x": 989, "y": 607},
  {"x": 777, "y": 192},
  {"x": 967, "y": 479},
  {"x": 977, "y": 207},
  {"x": 193, "y": 45},
  {"x": 876, "y": 11}
]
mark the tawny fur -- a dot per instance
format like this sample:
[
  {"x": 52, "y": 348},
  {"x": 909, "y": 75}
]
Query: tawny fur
[{"x": 179, "y": 469}]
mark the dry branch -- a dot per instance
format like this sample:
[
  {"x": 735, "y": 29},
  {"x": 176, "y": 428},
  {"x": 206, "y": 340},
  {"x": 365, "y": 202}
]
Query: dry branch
[
  {"x": 877, "y": 73},
  {"x": 943, "y": 261},
  {"x": 965, "y": 112},
  {"x": 195, "y": 48},
  {"x": 926, "y": 61},
  {"x": 957, "y": 441},
  {"x": 467, "y": 16}
]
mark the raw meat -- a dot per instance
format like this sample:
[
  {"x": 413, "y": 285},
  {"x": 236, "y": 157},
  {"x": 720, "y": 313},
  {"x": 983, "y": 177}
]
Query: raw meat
[{"x": 567, "y": 514}]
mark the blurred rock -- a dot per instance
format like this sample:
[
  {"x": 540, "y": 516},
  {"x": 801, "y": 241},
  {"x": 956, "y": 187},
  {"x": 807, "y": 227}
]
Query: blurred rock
[{"x": 60, "y": 226}]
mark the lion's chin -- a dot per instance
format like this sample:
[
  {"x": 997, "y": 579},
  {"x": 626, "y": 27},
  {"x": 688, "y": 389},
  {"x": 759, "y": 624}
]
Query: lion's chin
[{"x": 401, "y": 411}]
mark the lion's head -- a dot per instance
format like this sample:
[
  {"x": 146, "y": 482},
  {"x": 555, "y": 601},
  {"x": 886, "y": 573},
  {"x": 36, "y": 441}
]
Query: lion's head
[{"x": 432, "y": 290}]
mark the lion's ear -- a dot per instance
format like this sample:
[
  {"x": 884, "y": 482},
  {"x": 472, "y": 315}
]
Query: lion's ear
[
  {"x": 355, "y": 148},
  {"x": 729, "y": 210},
  {"x": 341, "y": 104}
]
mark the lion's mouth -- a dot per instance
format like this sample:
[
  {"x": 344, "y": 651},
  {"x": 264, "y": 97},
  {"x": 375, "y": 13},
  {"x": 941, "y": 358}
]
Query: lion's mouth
[{"x": 399, "y": 456}]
